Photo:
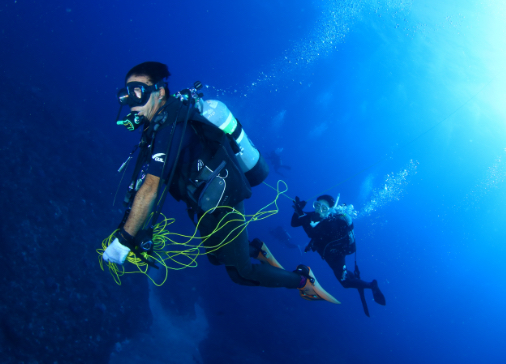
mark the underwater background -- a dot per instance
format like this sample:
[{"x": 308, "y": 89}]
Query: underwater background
[{"x": 398, "y": 106}]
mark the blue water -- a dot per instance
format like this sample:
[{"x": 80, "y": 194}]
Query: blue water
[{"x": 399, "y": 106}]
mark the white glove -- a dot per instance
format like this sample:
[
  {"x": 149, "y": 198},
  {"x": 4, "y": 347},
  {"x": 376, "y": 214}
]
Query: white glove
[{"x": 116, "y": 252}]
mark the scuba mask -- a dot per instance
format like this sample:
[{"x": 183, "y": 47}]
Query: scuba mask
[
  {"x": 319, "y": 207},
  {"x": 137, "y": 93},
  {"x": 132, "y": 121}
]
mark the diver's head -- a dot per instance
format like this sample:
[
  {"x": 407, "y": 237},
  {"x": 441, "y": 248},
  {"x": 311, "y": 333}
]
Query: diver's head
[
  {"x": 324, "y": 205},
  {"x": 146, "y": 90}
]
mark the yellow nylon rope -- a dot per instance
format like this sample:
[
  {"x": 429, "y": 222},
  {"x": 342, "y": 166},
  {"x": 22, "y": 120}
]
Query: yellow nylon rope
[{"x": 166, "y": 252}]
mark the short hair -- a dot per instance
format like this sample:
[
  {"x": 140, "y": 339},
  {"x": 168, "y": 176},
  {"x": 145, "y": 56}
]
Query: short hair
[
  {"x": 155, "y": 71},
  {"x": 330, "y": 200}
]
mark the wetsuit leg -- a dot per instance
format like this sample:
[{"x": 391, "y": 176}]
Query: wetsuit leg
[
  {"x": 236, "y": 254},
  {"x": 213, "y": 260},
  {"x": 348, "y": 279}
]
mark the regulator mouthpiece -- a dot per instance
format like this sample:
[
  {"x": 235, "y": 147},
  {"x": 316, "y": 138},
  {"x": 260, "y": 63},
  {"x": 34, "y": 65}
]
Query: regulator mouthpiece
[{"x": 132, "y": 121}]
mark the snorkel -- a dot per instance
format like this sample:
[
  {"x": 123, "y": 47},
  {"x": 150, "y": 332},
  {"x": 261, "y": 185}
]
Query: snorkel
[{"x": 337, "y": 200}]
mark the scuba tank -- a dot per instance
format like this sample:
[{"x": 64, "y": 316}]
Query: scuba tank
[{"x": 250, "y": 160}]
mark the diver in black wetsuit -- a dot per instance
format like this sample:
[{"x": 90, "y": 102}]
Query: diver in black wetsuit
[
  {"x": 164, "y": 118},
  {"x": 275, "y": 158},
  {"x": 332, "y": 236}
]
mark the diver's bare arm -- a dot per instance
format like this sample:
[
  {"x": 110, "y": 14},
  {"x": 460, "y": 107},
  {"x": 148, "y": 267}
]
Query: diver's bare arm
[{"x": 143, "y": 203}]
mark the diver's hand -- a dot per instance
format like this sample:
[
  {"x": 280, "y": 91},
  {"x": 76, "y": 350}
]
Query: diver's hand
[
  {"x": 116, "y": 252},
  {"x": 299, "y": 205}
]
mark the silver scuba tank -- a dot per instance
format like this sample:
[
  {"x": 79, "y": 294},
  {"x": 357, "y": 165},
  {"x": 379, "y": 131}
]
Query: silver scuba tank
[{"x": 249, "y": 158}]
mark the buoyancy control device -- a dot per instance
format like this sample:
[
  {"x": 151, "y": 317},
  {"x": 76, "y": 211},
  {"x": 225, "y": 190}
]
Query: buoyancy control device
[
  {"x": 252, "y": 164},
  {"x": 214, "y": 179}
]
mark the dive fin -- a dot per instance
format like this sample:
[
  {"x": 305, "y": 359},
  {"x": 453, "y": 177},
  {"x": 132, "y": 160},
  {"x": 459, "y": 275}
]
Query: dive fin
[
  {"x": 312, "y": 291},
  {"x": 364, "y": 302},
  {"x": 264, "y": 254},
  {"x": 376, "y": 293}
]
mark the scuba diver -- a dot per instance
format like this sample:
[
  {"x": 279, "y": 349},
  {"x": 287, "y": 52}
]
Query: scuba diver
[
  {"x": 198, "y": 152},
  {"x": 331, "y": 232},
  {"x": 275, "y": 158}
]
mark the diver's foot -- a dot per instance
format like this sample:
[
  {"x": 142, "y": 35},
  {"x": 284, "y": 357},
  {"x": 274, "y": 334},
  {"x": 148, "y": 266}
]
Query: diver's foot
[
  {"x": 376, "y": 293},
  {"x": 312, "y": 291},
  {"x": 263, "y": 254}
]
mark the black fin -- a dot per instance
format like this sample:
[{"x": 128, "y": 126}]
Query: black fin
[
  {"x": 376, "y": 293},
  {"x": 364, "y": 303}
]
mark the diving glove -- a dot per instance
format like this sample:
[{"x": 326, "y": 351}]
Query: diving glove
[
  {"x": 116, "y": 252},
  {"x": 298, "y": 206},
  {"x": 120, "y": 247}
]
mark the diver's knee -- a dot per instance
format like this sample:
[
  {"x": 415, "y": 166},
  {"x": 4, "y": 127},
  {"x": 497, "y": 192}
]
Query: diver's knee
[
  {"x": 233, "y": 274},
  {"x": 213, "y": 259},
  {"x": 238, "y": 278},
  {"x": 245, "y": 270},
  {"x": 347, "y": 279},
  {"x": 345, "y": 283}
]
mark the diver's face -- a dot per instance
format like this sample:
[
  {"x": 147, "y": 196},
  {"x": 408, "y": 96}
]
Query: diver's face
[
  {"x": 322, "y": 208},
  {"x": 155, "y": 101}
]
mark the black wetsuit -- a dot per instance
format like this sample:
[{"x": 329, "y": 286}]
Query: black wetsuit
[
  {"x": 235, "y": 255},
  {"x": 333, "y": 238}
]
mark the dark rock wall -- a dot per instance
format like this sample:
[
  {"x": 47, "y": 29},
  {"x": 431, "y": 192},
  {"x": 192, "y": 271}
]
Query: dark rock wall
[{"x": 58, "y": 178}]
